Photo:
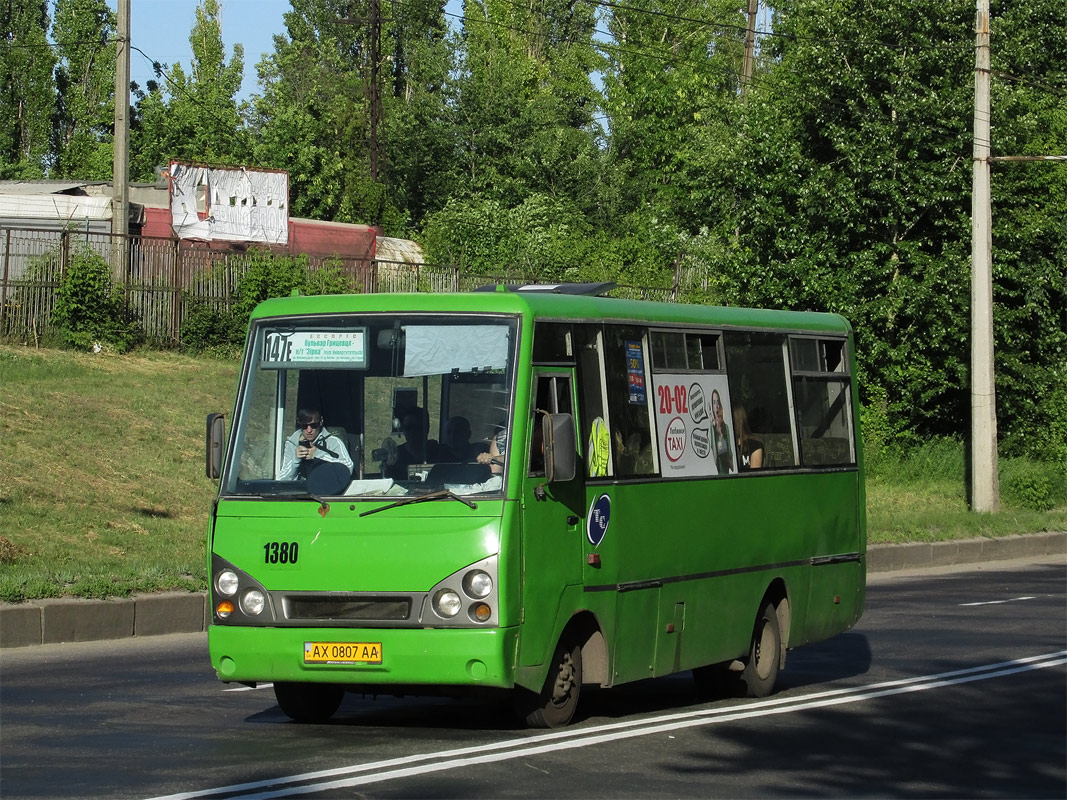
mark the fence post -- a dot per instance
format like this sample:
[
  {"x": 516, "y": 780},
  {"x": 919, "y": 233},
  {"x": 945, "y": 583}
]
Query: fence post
[
  {"x": 7, "y": 263},
  {"x": 64, "y": 254}
]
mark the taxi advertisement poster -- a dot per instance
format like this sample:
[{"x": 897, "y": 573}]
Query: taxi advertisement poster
[{"x": 693, "y": 419}]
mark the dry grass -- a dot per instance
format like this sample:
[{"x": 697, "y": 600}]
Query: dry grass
[{"x": 101, "y": 469}]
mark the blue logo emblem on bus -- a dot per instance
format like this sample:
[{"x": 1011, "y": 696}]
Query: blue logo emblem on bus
[{"x": 596, "y": 524}]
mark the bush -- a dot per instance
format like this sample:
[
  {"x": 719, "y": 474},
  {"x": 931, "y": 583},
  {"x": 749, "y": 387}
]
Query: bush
[
  {"x": 263, "y": 275},
  {"x": 1032, "y": 484},
  {"x": 89, "y": 311}
]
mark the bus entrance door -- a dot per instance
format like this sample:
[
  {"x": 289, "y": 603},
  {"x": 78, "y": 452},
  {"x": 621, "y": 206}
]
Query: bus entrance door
[{"x": 551, "y": 516}]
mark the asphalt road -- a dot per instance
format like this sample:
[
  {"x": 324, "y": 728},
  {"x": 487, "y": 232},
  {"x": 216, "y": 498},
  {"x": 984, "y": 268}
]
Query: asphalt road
[{"x": 953, "y": 684}]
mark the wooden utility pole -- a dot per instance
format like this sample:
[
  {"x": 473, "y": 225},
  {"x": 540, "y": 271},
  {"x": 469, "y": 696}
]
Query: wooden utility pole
[
  {"x": 747, "y": 67},
  {"x": 120, "y": 171},
  {"x": 375, "y": 98},
  {"x": 985, "y": 488},
  {"x": 375, "y": 149}
]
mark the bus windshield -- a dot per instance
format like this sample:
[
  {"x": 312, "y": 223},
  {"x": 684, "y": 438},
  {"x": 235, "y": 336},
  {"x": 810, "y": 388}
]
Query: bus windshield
[{"x": 373, "y": 406}]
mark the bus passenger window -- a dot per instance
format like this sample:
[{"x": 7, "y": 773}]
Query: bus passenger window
[
  {"x": 758, "y": 372},
  {"x": 630, "y": 426},
  {"x": 591, "y": 395},
  {"x": 823, "y": 401}
]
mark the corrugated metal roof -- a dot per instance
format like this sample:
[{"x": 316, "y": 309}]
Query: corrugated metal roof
[
  {"x": 389, "y": 248},
  {"x": 45, "y": 187},
  {"x": 54, "y": 207}
]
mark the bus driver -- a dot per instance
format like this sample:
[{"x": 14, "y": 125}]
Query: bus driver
[{"x": 310, "y": 445}]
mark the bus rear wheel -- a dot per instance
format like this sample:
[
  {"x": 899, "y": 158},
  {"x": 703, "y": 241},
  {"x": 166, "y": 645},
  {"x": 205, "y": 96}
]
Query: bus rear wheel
[
  {"x": 309, "y": 702},
  {"x": 555, "y": 705},
  {"x": 764, "y": 655}
]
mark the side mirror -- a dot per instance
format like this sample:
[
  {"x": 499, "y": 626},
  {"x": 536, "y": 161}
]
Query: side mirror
[
  {"x": 561, "y": 447},
  {"x": 215, "y": 439}
]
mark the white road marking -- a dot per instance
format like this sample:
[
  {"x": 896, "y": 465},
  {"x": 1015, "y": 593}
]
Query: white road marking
[
  {"x": 997, "y": 602},
  {"x": 255, "y": 688},
  {"x": 407, "y": 766}
]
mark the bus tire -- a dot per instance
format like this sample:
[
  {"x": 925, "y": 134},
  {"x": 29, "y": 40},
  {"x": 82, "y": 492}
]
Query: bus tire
[
  {"x": 309, "y": 702},
  {"x": 555, "y": 705},
  {"x": 764, "y": 655}
]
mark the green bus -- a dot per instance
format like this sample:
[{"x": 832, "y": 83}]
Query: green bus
[{"x": 529, "y": 489}]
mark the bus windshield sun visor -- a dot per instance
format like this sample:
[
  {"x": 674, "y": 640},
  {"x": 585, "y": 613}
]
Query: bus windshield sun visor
[{"x": 437, "y": 349}]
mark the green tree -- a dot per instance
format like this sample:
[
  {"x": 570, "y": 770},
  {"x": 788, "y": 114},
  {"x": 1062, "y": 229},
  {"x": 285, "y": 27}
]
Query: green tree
[
  {"x": 193, "y": 117},
  {"x": 27, "y": 93},
  {"x": 421, "y": 162},
  {"x": 526, "y": 102},
  {"x": 314, "y": 117},
  {"x": 1029, "y": 54},
  {"x": 672, "y": 93},
  {"x": 855, "y": 171},
  {"x": 856, "y": 191},
  {"x": 84, "y": 119}
]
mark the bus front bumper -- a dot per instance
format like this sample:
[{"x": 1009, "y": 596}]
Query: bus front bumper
[{"x": 415, "y": 657}]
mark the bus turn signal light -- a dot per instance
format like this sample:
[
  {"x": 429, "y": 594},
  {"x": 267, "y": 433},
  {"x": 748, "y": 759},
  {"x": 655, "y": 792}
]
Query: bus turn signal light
[{"x": 224, "y": 609}]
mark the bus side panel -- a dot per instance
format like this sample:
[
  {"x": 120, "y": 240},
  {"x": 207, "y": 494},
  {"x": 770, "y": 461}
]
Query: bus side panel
[
  {"x": 835, "y": 602},
  {"x": 691, "y": 561},
  {"x": 636, "y": 615}
]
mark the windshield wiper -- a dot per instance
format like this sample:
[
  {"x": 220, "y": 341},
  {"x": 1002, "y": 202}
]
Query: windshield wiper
[{"x": 422, "y": 498}]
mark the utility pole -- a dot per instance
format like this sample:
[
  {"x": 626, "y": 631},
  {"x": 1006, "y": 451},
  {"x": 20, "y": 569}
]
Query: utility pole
[
  {"x": 120, "y": 172},
  {"x": 374, "y": 97},
  {"x": 985, "y": 488},
  {"x": 375, "y": 149},
  {"x": 747, "y": 66}
]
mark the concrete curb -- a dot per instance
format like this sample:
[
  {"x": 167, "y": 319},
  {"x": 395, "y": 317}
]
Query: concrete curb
[{"x": 69, "y": 620}]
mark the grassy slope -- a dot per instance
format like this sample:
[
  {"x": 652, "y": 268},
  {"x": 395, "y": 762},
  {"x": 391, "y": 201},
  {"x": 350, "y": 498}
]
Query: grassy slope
[{"x": 102, "y": 488}]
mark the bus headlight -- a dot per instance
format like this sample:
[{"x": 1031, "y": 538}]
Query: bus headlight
[
  {"x": 446, "y": 603},
  {"x": 253, "y": 602},
  {"x": 226, "y": 582},
  {"x": 477, "y": 584}
]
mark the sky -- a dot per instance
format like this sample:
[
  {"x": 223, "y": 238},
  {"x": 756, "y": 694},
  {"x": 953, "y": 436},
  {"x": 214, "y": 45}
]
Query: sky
[{"x": 161, "y": 29}]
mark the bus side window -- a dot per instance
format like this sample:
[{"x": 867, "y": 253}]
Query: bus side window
[
  {"x": 823, "y": 401},
  {"x": 759, "y": 381},
  {"x": 553, "y": 395},
  {"x": 592, "y": 397},
  {"x": 626, "y": 365}
]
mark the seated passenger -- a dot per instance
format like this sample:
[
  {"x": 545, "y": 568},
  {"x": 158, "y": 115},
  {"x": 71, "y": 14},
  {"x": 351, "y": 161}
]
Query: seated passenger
[
  {"x": 311, "y": 445},
  {"x": 749, "y": 448},
  {"x": 457, "y": 445},
  {"x": 417, "y": 447}
]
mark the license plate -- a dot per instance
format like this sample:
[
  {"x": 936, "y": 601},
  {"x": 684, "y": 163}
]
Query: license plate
[{"x": 342, "y": 652}]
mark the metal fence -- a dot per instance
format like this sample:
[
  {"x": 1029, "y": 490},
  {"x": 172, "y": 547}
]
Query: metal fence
[{"x": 164, "y": 280}]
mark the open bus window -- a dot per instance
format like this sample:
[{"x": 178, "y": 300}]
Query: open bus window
[
  {"x": 759, "y": 383},
  {"x": 822, "y": 396},
  {"x": 372, "y": 378}
]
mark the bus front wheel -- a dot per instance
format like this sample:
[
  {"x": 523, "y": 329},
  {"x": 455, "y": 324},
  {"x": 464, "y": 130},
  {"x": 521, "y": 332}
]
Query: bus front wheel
[
  {"x": 555, "y": 705},
  {"x": 764, "y": 656},
  {"x": 309, "y": 702}
]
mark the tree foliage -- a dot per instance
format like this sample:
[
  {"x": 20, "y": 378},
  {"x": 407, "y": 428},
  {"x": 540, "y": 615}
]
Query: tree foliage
[
  {"x": 27, "y": 90},
  {"x": 82, "y": 129},
  {"x": 193, "y": 117}
]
